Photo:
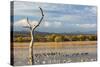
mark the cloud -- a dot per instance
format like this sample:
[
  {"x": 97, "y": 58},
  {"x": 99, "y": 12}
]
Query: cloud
[
  {"x": 23, "y": 22},
  {"x": 54, "y": 12},
  {"x": 57, "y": 24},
  {"x": 90, "y": 10},
  {"x": 51, "y": 24},
  {"x": 94, "y": 10},
  {"x": 31, "y": 8},
  {"x": 46, "y": 24},
  {"x": 56, "y": 16},
  {"x": 86, "y": 25}
]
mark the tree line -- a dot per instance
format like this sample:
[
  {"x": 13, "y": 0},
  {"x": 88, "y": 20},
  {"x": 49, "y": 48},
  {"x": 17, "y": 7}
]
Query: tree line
[{"x": 55, "y": 38}]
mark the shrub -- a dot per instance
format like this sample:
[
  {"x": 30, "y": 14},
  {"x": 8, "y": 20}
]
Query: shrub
[{"x": 58, "y": 39}]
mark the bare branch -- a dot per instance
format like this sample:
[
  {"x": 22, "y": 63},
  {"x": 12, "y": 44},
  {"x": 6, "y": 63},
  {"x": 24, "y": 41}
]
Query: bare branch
[
  {"x": 30, "y": 26},
  {"x": 41, "y": 17},
  {"x": 41, "y": 11}
]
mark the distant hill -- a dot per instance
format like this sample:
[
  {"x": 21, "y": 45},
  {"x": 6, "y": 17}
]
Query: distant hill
[{"x": 47, "y": 33}]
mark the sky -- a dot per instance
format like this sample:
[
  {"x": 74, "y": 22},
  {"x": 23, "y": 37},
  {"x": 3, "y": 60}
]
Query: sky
[{"x": 58, "y": 18}]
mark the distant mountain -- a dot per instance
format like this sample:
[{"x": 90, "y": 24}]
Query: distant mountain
[
  {"x": 46, "y": 33},
  {"x": 27, "y": 32},
  {"x": 86, "y": 32}
]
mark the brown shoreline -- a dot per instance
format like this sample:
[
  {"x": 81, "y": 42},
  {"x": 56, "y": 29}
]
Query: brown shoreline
[{"x": 54, "y": 44}]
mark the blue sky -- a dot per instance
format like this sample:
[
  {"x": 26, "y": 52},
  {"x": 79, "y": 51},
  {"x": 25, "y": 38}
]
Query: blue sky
[{"x": 57, "y": 17}]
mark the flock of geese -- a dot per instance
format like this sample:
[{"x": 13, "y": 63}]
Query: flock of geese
[{"x": 57, "y": 57}]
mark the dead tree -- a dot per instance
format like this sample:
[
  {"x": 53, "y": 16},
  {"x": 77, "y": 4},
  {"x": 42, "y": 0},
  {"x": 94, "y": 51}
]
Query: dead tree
[{"x": 32, "y": 28}]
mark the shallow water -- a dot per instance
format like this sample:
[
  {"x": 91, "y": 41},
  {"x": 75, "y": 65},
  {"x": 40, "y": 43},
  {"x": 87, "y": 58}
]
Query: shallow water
[{"x": 56, "y": 55}]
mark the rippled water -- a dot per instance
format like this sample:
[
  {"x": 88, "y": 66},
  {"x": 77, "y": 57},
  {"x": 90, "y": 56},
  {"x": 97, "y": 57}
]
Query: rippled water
[{"x": 53, "y": 55}]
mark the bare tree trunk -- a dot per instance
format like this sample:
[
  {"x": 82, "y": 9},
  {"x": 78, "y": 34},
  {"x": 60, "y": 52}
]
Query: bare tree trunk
[
  {"x": 32, "y": 28},
  {"x": 31, "y": 58}
]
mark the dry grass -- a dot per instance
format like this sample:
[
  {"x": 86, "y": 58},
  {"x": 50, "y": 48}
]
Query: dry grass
[{"x": 55, "y": 44}]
